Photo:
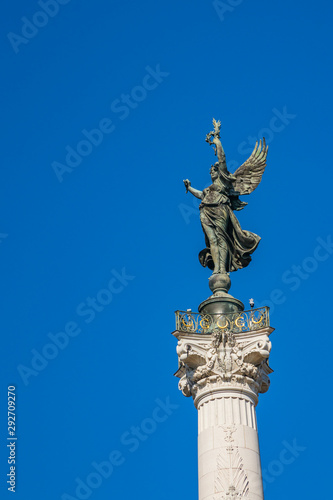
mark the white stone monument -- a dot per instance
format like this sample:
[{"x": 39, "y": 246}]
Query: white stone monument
[
  {"x": 223, "y": 350},
  {"x": 223, "y": 365}
]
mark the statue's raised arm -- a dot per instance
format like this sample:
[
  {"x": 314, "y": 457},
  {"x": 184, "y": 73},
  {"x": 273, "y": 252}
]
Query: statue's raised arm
[{"x": 213, "y": 138}]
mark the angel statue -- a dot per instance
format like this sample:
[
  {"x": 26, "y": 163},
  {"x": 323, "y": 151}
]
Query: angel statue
[{"x": 228, "y": 246}]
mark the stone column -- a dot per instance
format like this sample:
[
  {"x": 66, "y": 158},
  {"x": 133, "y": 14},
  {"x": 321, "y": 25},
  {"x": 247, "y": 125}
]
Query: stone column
[{"x": 224, "y": 372}]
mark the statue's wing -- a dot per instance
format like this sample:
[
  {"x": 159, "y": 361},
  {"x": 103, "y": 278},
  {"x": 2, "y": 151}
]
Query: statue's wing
[{"x": 248, "y": 175}]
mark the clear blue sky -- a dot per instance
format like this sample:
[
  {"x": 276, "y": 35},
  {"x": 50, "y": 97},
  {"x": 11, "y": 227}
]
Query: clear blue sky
[{"x": 105, "y": 107}]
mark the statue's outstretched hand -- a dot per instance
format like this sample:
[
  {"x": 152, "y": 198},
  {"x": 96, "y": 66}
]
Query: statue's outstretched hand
[{"x": 187, "y": 184}]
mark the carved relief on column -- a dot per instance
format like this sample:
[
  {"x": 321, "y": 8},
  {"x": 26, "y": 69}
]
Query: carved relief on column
[{"x": 231, "y": 479}]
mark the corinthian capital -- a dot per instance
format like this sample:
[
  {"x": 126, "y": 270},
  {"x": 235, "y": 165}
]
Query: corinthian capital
[{"x": 222, "y": 357}]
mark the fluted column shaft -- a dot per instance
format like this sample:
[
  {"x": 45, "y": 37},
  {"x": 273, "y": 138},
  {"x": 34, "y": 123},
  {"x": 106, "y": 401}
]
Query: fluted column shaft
[{"x": 228, "y": 447}]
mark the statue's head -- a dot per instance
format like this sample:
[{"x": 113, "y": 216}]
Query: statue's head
[{"x": 214, "y": 171}]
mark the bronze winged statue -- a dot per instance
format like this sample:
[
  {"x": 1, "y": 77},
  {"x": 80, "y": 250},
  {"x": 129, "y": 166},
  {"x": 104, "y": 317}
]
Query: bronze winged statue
[{"x": 228, "y": 246}]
